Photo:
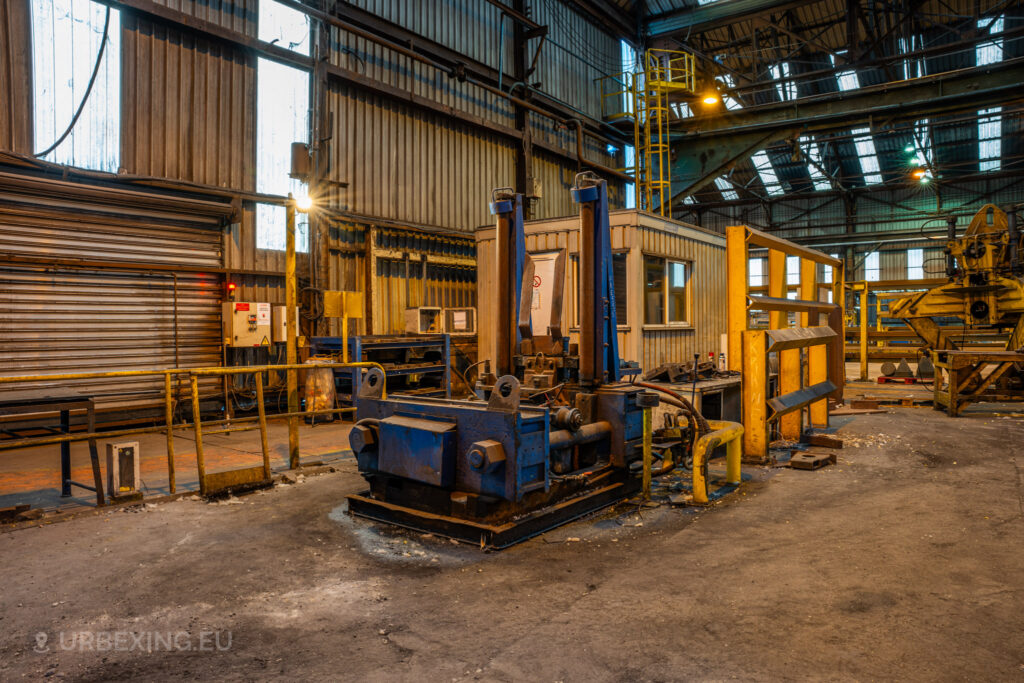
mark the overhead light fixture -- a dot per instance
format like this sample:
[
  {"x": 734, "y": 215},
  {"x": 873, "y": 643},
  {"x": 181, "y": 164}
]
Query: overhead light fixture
[
  {"x": 924, "y": 179},
  {"x": 921, "y": 174},
  {"x": 710, "y": 98},
  {"x": 909, "y": 149}
]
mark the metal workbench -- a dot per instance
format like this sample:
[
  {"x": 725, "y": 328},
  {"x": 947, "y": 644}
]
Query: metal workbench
[{"x": 61, "y": 402}]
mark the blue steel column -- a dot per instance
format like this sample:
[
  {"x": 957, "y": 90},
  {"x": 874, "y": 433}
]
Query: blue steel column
[
  {"x": 509, "y": 259},
  {"x": 602, "y": 325}
]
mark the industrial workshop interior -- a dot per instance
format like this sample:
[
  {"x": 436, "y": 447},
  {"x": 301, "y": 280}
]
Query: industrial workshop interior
[{"x": 511, "y": 340}]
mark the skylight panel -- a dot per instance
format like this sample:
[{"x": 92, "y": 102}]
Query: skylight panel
[
  {"x": 769, "y": 177},
  {"x": 990, "y": 142},
  {"x": 990, "y": 121},
  {"x": 865, "y": 145},
  {"x": 785, "y": 87},
  {"x": 848, "y": 80},
  {"x": 729, "y": 83},
  {"x": 726, "y": 188},
  {"x": 814, "y": 153}
]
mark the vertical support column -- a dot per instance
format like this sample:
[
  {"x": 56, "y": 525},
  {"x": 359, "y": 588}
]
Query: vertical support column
[
  {"x": 755, "y": 396},
  {"x": 262, "y": 411},
  {"x": 197, "y": 429},
  {"x": 647, "y": 456},
  {"x": 291, "y": 355},
  {"x": 789, "y": 381},
  {"x": 94, "y": 456},
  {"x": 169, "y": 423},
  {"x": 789, "y": 364},
  {"x": 737, "y": 270},
  {"x": 864, "y": 332},
  {"x": 590, "y": 296},
  {"x": 65, "y": 454},
  {"x": 777, "y": 320},
  {"x": 817, "y": 355},
  {"x": 817, "y": 371}
]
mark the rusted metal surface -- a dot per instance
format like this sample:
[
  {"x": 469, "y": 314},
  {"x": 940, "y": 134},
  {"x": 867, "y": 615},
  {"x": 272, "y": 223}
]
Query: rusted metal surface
[{"x": 15, "y": 76}]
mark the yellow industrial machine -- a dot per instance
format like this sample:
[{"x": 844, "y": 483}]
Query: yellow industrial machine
[
  {"x": 985, "y": 290},
  {"x": 985, "y": 287}
]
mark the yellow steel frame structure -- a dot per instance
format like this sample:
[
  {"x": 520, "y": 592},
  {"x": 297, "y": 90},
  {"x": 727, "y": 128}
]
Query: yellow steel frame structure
[
  {"x": 807, "y": 376},
  {"x": 665, "y": 73}
]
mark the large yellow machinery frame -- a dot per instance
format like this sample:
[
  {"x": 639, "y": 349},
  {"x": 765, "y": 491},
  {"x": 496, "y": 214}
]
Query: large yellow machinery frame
[{"x": 984, "y": 290}]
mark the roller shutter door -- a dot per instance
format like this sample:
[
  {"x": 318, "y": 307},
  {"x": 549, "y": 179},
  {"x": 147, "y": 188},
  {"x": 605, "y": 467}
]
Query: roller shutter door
[{"x": 91, "y": 285}]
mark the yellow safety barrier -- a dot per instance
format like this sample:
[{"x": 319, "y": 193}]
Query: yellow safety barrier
[
  {"x": 801, "y": 382},
  {"x": 728, "y": 433}
]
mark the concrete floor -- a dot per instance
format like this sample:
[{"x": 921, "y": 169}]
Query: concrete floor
[{"x": 903, "y": 561}]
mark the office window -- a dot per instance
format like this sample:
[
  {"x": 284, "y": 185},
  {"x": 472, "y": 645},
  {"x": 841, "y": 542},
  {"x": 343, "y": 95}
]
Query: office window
[
  {"x": 665, "y": 291},
  {"x": 915, "y": 264},
  {"x": 66, "y": 40},
  {"x": 828, "y": 271},
  {"x": 872, "y": 271}
]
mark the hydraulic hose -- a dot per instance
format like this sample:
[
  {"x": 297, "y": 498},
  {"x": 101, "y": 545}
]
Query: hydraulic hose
[{"x": 702, "y": 424}]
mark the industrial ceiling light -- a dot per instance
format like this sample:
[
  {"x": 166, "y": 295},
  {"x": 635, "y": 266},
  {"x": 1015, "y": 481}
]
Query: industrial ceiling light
[
  {"x": 909, "y": 149},
  {"x": 710, "y": 98}
]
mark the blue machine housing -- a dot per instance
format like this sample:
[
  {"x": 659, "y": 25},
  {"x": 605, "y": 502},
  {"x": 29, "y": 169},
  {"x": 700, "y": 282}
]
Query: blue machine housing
[{"x": 413, "y": 449}]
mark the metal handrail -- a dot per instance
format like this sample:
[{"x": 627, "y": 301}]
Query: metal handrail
[{"x": 169, "y": 425}]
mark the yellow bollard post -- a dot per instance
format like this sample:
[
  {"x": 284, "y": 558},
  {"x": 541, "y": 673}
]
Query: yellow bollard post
[
  {"x": 648, "y": 457},
  {"x": 733, "y": 456},
  {"x": 169, "y": 420}
]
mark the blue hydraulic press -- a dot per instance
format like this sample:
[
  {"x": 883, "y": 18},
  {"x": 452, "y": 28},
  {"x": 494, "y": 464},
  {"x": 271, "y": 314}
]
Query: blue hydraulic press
[{"x": 553, "y": 433}]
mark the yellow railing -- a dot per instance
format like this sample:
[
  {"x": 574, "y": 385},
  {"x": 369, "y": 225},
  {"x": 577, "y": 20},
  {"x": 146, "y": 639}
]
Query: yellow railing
[{"x": 169, "y": 426}]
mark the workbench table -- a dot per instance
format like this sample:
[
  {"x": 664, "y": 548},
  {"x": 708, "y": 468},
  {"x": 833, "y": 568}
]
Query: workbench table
[{"x": 62, "y": 402}]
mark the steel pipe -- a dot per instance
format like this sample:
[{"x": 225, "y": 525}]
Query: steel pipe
[{"x": 589, "y": 433}]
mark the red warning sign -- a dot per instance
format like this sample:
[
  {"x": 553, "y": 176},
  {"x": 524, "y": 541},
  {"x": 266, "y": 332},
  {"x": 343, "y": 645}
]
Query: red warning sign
[{"x": 536, "y": 281}]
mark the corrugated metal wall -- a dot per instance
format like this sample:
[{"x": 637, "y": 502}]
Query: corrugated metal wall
[
  {"x": 188, "y": 107},
  {"x": 15, "y": 77},
  {"x": 237, "y": 15},
  {"x": 409, "y": 165},
  {"x": 638, "y": 234},
  {"x": 439, "y": 271}
]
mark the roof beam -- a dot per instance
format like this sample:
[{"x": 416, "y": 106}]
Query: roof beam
[
  {"x": 717, "y": 142},
  {"x": 714, "y": 15}
]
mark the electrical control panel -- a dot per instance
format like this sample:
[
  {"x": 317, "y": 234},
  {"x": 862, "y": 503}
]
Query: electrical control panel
[
  {"x": 246, "y": 323},
  {"x": 280, "y": 323}
]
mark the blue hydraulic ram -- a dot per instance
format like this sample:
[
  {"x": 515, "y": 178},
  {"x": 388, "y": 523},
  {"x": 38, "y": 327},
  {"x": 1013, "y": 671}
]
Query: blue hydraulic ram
[{"x": 552, "y": 435}]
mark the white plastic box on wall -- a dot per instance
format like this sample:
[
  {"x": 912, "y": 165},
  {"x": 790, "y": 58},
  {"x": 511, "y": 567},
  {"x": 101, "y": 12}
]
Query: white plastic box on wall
[
  {"x": 460, "y": 321},
  {"x": 424, "y": 320}
]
